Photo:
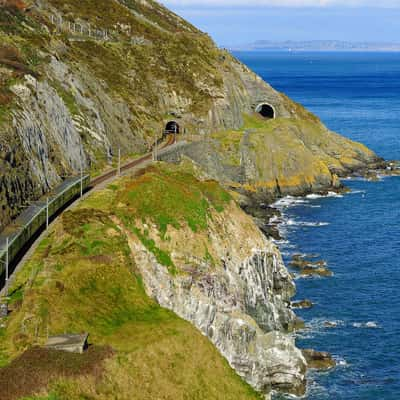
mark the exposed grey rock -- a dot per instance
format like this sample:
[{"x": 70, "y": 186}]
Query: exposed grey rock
[{"x": 241, "y": 305}]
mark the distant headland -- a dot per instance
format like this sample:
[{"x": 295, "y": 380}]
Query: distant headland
[{"x": 317, "y": 45}]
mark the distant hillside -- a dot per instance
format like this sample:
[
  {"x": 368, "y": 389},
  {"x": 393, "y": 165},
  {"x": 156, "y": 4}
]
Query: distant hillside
[{"x": 317, "y": 45}]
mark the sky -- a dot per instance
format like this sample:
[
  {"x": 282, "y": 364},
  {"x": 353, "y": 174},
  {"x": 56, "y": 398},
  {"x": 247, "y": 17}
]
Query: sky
[{"x": 244, "y": 21}]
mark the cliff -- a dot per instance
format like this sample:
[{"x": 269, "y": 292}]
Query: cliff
[
  {"x": 172, "y": 238},
  {"x": 268, "y": 159},
  {"x": 81, "y": 79}
]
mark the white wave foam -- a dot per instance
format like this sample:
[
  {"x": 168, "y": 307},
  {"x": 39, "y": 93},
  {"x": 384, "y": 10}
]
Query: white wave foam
[
  {"x": 354, "y": 178},
  {"x": 358, "y": 192},
  {"x": 315, "y": 196},
  {"x": 366, "y": 325},
  {"x": 281, "y": 242},
  {"x": 293, "y": 222},
  {"x": 274, "y": 219},
  {"x": 334, "y": 194},
  {"x": 318, "y": 326},
  {"x": 315, "y": 389},
  {"x": 289, "y": 201},
  {"x": 314, "y": 224},
  {"x": 340, "y": 361}
]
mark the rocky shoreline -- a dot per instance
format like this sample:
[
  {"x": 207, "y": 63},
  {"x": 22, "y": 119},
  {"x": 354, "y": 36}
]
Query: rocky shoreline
[{"x": 269, "y": 218}]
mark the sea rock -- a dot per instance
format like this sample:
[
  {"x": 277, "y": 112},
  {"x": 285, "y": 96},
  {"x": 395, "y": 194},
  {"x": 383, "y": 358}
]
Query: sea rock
[
  {"x": 330, "y": 324},
  {"x": 299, "y": 324},
  {"x": 319, "y": 360},
  {"x": 310, "y": 267},
  {"x": 302, "y": 304},
  {"x": 372, "y": 176},
  {"x": 302, "y": 262},
  {"x": 264, "y": 217},
  {"x": 319, "y": 271}
]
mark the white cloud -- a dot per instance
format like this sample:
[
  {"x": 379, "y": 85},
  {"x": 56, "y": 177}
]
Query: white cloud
[{"x": 285, "y": 3}]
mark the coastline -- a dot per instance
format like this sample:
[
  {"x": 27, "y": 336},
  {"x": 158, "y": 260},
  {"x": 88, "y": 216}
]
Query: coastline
[{"x": 280, "y": 224}]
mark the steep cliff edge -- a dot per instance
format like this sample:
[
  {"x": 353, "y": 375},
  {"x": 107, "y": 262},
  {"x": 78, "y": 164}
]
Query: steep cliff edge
[
  {"x": 172, "y": 237},
  {"x": 81, "y": 78},
  {"x": 267, "y": 159}
]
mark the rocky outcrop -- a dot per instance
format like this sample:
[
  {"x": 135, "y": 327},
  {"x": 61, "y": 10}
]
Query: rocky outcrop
[
  {"x": 279, "y": 158},
  {"x": 242, "y": 303}
]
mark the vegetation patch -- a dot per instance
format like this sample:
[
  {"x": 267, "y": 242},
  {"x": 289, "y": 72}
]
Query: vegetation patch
[
  {"x": 82, "y": 278},
  {"x": 169, "y": 196},
  {"x": 163, "y": 257},
  {"x": 67, "y": 97},
  {"x": 31, "y": 372}
]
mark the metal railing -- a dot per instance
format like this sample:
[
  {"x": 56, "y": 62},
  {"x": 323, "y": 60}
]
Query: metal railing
[
  {"x": 79, "y": 28},
  {"x": 37, "y": 217}
]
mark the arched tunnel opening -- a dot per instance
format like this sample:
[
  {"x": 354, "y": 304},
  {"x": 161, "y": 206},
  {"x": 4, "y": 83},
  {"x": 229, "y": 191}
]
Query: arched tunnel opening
[
  {"x": 266, "y": 111},
  {"x": 172, "y": 127}
]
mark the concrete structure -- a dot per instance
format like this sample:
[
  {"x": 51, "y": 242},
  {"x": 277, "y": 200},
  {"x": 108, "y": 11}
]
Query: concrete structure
[{"x": 70, "y": 343}]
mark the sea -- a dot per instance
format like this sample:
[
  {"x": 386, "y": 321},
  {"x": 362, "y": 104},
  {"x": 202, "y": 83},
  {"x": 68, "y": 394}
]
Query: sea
[{"x": 356, "y": 313}]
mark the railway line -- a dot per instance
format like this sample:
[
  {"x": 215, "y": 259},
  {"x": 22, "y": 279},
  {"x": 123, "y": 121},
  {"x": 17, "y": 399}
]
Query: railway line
[{"x": 18, "y": 238}]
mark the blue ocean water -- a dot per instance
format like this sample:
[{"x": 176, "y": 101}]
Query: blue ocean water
[{"x": 358, "y": 234}]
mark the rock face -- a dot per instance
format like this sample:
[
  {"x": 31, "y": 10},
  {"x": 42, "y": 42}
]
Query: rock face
[
  {"x": 68, "y": 99},
  {"x": 241, "y": 303},
  {"x": 285, "y": 156}
]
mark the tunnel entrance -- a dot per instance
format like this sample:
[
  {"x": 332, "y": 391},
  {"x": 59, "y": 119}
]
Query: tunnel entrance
[
  {"x": 172, "y": 127},
  {"x": 266, "y": 111}
]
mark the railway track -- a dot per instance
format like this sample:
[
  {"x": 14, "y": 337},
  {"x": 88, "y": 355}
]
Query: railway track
[
  {"x": 103, "y": 178},
  {"x": 20, "y": 252}
]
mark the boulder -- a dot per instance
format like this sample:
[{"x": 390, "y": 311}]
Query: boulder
[
  {"x": 319, "y": 360},
  {"x": 302, "y": 304},
  {"x": 320, "y": 271}
]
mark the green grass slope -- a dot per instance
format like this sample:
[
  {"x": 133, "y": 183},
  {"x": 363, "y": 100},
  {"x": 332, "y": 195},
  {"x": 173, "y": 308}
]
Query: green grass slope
[{"x": 81, "y": 278}]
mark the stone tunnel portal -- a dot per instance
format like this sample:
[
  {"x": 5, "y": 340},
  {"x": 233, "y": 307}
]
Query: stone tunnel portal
[
  {"x": 172, "y": 127},
  {"x": 266, "y": 110}
]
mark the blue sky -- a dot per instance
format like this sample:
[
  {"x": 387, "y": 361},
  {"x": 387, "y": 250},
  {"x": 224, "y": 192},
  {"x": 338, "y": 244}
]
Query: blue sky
[{"x": 237, "y": 22}]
